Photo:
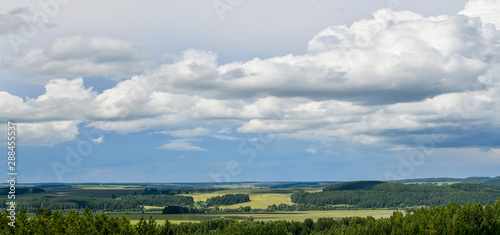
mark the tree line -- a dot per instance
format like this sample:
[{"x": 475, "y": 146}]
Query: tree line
[
  {"x": 378, "y": 194},
  {"x": 228, "y": 199},
  {"x": 445, "y": 219},
  {"x": 128, "y": 202}
]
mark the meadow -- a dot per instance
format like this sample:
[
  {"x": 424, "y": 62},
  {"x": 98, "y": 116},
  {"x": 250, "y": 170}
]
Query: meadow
[{"x": 257, "y": 216}]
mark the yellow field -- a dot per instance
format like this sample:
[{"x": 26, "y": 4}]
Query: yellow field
[
  {"x": 153, "y": 207},
  {"x": 259, "y": 198},
  {"x": 261, "y": 201}
]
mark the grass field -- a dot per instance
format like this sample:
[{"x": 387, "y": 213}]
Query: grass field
[
  {"x": 154, "y": 207},
  {"x": 259, "y": 198},
  {"x": 259, "y": 216},
  {"x": 261, "y": 201}
]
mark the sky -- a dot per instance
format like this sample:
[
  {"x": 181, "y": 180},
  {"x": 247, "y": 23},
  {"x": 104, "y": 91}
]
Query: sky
[{"x": 237, "y": 90}]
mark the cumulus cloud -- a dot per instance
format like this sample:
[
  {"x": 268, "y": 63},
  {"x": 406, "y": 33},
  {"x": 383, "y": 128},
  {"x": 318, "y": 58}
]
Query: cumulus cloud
[
  {"x": 394, "y": 57},
  {"x": 99, "y": 140},
  {"x": 75, "y": 56},
  {"x": 47, "y": 133},
  {"x": 487, "y": 10}
]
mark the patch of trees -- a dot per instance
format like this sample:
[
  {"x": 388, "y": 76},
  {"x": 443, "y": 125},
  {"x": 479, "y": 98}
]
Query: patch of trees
[
  {"x": 19, "y": 190},
  {"x": 450, "y": 219},
  {"x": 278, "y": 185},
  {"x": 37, "y": 190},
  {"x": 228, "y": 199},
  {"x": 155, "y": 191},
  {"x": 179, "y": 210},
  {"x": 377, "y": 194},
  {"x": 128, "y": 202},
  {"x": 356, "y": 185},
  {"x": 55, "y": 186}
]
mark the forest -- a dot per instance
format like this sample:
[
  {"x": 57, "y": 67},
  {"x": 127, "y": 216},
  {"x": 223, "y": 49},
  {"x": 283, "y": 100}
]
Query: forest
[
  {"x": 378, "y": 194},
  {"x": 452, "y": 218},
  {"x": 228, "y": 199},
  {"x": 127, "y": 202}
]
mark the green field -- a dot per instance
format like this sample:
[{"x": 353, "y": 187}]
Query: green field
[{"x": 259, "y": 216}]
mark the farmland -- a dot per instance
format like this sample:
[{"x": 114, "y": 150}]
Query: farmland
[
  {"x": 259, "y": 198},
  {"x": 267, "y": 200},
  {"x": 259, "y": 216}
]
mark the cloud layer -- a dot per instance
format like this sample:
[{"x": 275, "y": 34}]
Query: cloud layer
[
  {"x": 74, "y": 56},
  {"x": 390, "y": 79}
]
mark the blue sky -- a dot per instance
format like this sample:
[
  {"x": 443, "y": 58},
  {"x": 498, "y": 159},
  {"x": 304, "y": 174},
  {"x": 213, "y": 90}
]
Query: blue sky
[{"x": 251, "y": 90}]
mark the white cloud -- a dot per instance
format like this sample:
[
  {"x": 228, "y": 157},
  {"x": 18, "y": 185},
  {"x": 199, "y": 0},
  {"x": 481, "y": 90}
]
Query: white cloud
[
  {"x": 380, "y": 80},
  {"x": 225, "y": 131},
  {"x": 226, "y": 137},
  {"x": 99, "y": 140},
  {"x": 188, "y": 132},
  {"x": 75, "y": 56},
  {"x": 487, "y": 10},
  {"x": 182, "y": 145},
  {"x": 312, "y": 150},
  {"x": 47, "y": 133},
  {"x": 13, "y": 21}
]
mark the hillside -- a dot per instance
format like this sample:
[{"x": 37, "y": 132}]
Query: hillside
[{"x": 378, "y": 194}]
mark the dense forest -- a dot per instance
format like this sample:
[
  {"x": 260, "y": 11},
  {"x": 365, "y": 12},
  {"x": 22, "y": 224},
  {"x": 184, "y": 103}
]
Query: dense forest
[
  {"x": 450, "y": 219},
  {"x": 378, "y": 194},
  {"x": 228, "y": 199},
  {"x": 128, "y": 202}
]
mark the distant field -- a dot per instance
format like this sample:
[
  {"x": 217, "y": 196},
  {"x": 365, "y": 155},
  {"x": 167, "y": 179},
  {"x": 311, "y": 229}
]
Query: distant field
[
  {"x": 86, "y": 192},
  {"x": 260, "y": 216},
  {"x": 259, "y": 198},
  {"x": 261, "y": 201},
  {"x": 436, "y": 183},
  {"x": 154, "y": 207},
  {"x": 108, "y": 186}
]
